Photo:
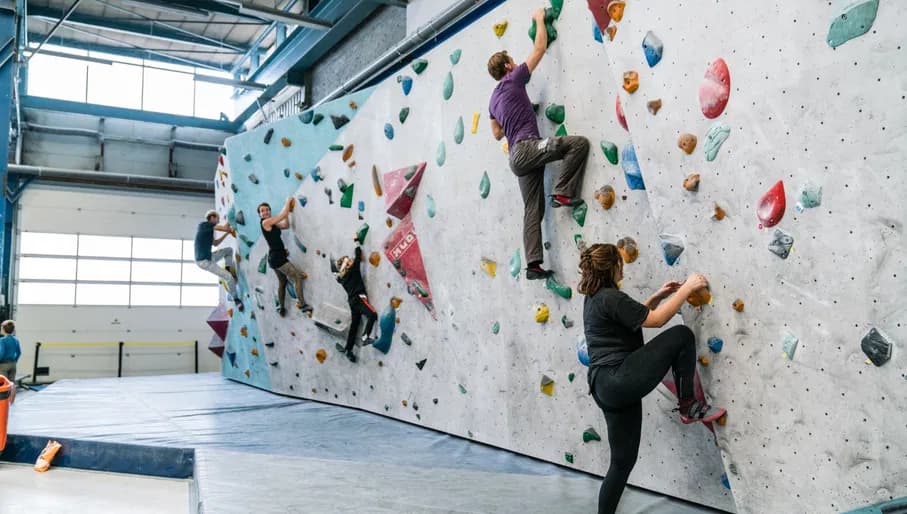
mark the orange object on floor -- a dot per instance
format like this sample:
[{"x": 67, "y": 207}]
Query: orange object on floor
[
  {"x": 7, "y": 393},
  {"x": 47, "y": 456}
]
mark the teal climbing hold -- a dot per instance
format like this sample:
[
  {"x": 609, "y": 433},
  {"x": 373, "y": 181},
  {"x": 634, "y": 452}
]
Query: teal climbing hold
[
  {"x": 244, "y": 239},
  {"x": 346, "y": 198},
  {"x": 316, "y": 174},
  {"x": 579, "y": 214},
  {"x": 462, "y": 389},
  {"x": 335, "y": 148},
  {"x": 555, "y": 113},
  {"x": 387, "y": 323},
  {"x": 561, "y": 131},
  {"x": 286, "y": 172},
  {"x": 299, "y": 244},
  {"x": 306, "y": 117},
  {"x": 516, "y": 262},
  {"x": 419, "y": 66},
  {"x": 556, "y": 7},
  {"x": 810, "y": 196},
  {"x": 263, "y": 265},
  {"x": 714, "y": 138},
  {"x": 610, "y": 151},
  {"x": 253, "y": 178},
  {"x": 854, "y": 18},
  {"x": 789, "y": 345},
  {"x": 362, "y": 233},
  {"x": 495, "y": 328},
  {"x": 455, "y": 56},
  {"x": 458, "y": 131},
  {"x": 484, "y": 185},
  {"x": 231, "y": 215},
  {"x": 247, "y": 157},
  {"x": 590, "y": 434},
  {"x": 388, "y": 131},
  {"x": 430, "y": 206},
  {"x": 441, "y": 154},
  {"x": 568, "y": 457},
  {"x": 404, "y": 113},
  {"x": 448, "y": 86},
  {"x": 317, "y": 118},
  {"x": 559, "y": 289},
  {"x": 268, "y": 135},
  {"x": 240, "y": 218}
]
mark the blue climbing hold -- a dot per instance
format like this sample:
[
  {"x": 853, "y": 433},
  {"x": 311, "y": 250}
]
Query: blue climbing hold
[
  {"x": 306, "y": 117},
  {"x": 724, "y": 481},
  {"x": 597, "y": 32},
  {"x": 406, "y": 82},
  {"x": 387, "y": 322},
  {"x": 302, "y": 200},
  {"x": 716, "y": 344},
  {"x": 582, "y": 352},
  {"x": 631, "y": 168},
  {"x": 316, "y": 174},
  {"x": 653, "y": 48},
  {"x": 361, "y": 206},
  {"x": 672, "y": 246},
  {"x": 388, "y": 131}
]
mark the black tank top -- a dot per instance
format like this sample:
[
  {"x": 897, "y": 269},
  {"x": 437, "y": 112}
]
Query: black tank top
[{"x": 277, "y": 252}]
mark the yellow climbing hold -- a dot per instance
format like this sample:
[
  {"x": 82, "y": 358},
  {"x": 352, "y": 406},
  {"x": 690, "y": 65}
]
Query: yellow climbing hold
[
  {"x": 395, "y": 302},
  {"x": 376, "y": 181},
  {"x": 254, "y": 352},
  {"x": 700, "y": 297},
  {"x": 500, "y": 28},
  {"x": 475, "y": 122},
  {"x": 347, "y": 153},
  {"x": 704, "y": 360},
  {"x": 616, "y": 9},
  {"x": 505, "y": 147},
  {"x": 547, "y": 385},
  {"x": 490, "y": 267},
  {"x": 541, "y": 313}
]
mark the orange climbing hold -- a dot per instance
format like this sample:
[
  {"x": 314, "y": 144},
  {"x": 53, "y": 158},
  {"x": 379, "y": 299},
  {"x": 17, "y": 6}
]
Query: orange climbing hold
[
  {"x": 395, "y": 302},
  {"x": 654, "y": 106},
  {"x": 389, "y": 222},
  {"x": 321, "y": 355},
  {"x": 687, "y": 143},
  {"x": 230, "y": 312},
  {"x": 353, "y": 105},
  {"x": 347, "y": 153},
  {"x": 738, "y": 305},
  {"x": 719, "y": 213},
  {"x": 299, "y": 176},
  {"x": 611, "y": 31},
  {"x": 247, "y": 373},
  {"x": 631, "y": 81},
  {"x": 628, "y": 250},
  {"x": 374, "y": 259},
  {"x": 700, "y": 297},
  {"x": 691, "y": 183},
  {"x": 605, "y": 197},
  {"x": 704, "y": 360},
  {"x": 243, "y": 331},
  {"x": 376, "y": 181},
  {"x": 285, "y": 141},
  {"x": 616, "y": 9},
  {"x": 722, "y": 421},
  {"x": 405, "y": 403},
  {"x": 254, "y": 352}
]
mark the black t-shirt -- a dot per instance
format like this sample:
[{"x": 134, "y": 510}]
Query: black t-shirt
[
  {"x": 613, "y": 326},
  {"x": 352, "y": 282},
  {"x": 277, "y": 252}
]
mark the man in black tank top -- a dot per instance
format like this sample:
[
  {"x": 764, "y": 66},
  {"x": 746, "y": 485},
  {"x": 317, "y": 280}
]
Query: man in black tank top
[{"x": 277, "y": 255}]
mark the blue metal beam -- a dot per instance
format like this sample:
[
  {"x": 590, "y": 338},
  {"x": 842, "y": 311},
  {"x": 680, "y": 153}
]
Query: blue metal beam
[
  {"x": 53, "y": 104},
  {"x": 137, "y": 28},
  {"x": 7, "y": 64}
]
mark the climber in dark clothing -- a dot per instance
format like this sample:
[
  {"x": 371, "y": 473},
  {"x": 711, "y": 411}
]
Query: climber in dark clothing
[
  {"x": 350, "y": 277},
  {"x": 278, "y": 256},
  {"x": 622, "y": 370}
]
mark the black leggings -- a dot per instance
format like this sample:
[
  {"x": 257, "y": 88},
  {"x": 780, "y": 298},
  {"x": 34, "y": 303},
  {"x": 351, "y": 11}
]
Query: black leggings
[
  {"x": 359, "y": 308},
  {"x": 619, "y": 390}
]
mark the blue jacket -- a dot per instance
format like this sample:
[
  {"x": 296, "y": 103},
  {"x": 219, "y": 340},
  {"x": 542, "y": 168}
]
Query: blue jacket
[{"x": 9, "y": 349}]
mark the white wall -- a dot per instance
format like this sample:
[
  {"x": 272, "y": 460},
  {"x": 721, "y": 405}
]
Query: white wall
[
  {"x": 116, "y": 213},
  {"x": 420, "y": 12}
]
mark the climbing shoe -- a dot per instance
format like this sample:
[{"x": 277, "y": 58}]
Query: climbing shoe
[
  {"x": 231, "y": 271},
  {"x": 282, "y": 311},
  {"x": 304, "y": 307},
  {"x": 352, "y": 357},
  {"x": 565, "y": 201},
  {"x": 239, "y": 305},
  {"x": 536, "y": 272},
  {"x": 340, "y": 348},
  {"x": 365, "y": 341},
  {"x": 692, "y": 411}
]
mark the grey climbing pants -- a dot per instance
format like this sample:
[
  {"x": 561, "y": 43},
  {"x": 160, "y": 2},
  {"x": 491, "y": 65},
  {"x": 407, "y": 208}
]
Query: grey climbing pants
[
  {"x": 8, "y": 370},
  {"x": 288, "y": 271},
  {"x": 527, "y": 161},
  {"x": 211, "y": 266}
]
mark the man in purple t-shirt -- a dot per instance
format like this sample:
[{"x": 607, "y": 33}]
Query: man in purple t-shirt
[{"x": 512, "y": 116}]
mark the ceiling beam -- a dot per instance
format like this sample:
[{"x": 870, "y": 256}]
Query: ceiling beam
[
  {"x": 190, "y": 7},
  {"x": 56, "y": 27},
  {"x": 280, "y": 16}
]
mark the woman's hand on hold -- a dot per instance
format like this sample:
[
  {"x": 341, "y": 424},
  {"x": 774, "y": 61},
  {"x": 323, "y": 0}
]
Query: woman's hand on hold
[{"x": 695, "y": 282}]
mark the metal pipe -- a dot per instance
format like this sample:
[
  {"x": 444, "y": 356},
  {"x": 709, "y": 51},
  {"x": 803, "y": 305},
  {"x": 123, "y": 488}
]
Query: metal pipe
[
  {"x": 403, "y": 48},
  {"x": 71, "y": 131},
  {"x": 59, "y": 24},
  {"x": 114, "y": 179},
  {"x": 278, "y": 15}
]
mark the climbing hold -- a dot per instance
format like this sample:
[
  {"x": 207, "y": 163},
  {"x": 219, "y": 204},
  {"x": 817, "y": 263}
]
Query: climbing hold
[
  {"x": 458, "y": 131},
  {"x": 631, "y": 81},
  {"x": 317, "y": 118},
  {"x": 561, "y": 131},
  {"x": 321, "y": 355},
  {"x": 388, "y": 131},
  {"x": 263, "y": 265},
  {"x": 605, "y": 197},
  {"x": 347, "y": 153},
  {"x": 406, "y": 340},
  {"x": 715, "y": 89},
  {"x": 770, "y": 208},
  {"x": 691, "y": 183},
  {"x": 448, "y": 86},
  {"x": 610, "y": 151},
  {"x": 719, "y": 213},
  {"x": 387, "y": 322},
  {"x": 687, "y": 143},
  {"x": 567, "y": 322},
  {"x": 441, "y": 154},
  {"x": 335, "y": 148},
  {"x": 361, "y": 233},
  {"x": 559, "y": 289},
  {"x": 455, "y": 56},
  {"x": 582, "y": 351},
  {"x": 541, "y": 313},
  {"x": 579, "y": 214},
  {"x": 515, "y": 263},
  {"x": 715, "y": 344},
  {"x": 500, "y": 28},
  {"x": 376, "y": 181},
  {"x": 596, "y": 33},
  {"x": 406, "y": 82},
  {"x": 611, "y": 31},
  {"x": 240, "y": 218},
  {"x": 330, "y": 195},
  {"x": 299, "y": 244},
  {"x": 505, "y": 146},
  {"x": 722, "y": 421},
  {"x": 374, "y": 259},
  {"x": 302, "y": 201},
  {"x": 590, "y": 434},
  {"x": 234, "y": 188},
  {"x": 353, "y": 106},
  {"x": 714, "y": 138},
  {"x": 299, "y": 176},
  {"x": 495, "y": 328},
  {"x": 404, "y": 113},
  {"x": 555, "y": 113},
  {"x": 781, "y": 244},
  {"x": 475, "y": 122},
  {"x": 568, "y": 457},
  {"x": 549, "y": 27},
  {"x": 547, "y": 245},
  {"x": 390, "y": 223},
  {"x": 654, "y": 106},
  {"x": 420, "y": 365},
  {"x": 306, "y": 117},
  {"x": 724, "y": 479},
  {"x": 630, "y": 164},
  {"x": 253, "y": 179},
  {"x": 254, "y": 352},
  {"x": 419, "y": 66},
  {"x": 704, "y": 360},
  {"x": 489, "y": 266},
  {"x": 462, "y": 389},
  {"x": 286, "y": 172},
  {"x": 274, "y": 363},
  {"x": 484, "y": 185},
  {"x": 578, "y": 241},
  {"x": 672, "y": 247},
  {"x": 738, "y": 305},
  {"x": 244, "y": 239},
  {"x": 789, "y": 345},
  {"x": 876, "y": 347},
  {"x": 616, "y": 9},
  {"x": 268, "y": 135},
  {"x": 346, "y": 198},
  {"x": 810, "y": 196},
  {"x": 547, "y": 385},
  {"x": 285, "y": 142},
  {"x": 653, "y": 48},
  {"x": 700, "y": 297},
  {"x": 430, "y": 206},
  {"x": 247, "y": 373},
  {"x": 854, "y": 19},
  {"x": 626, "y": 247},
  {"x": 404, "y": 403}
]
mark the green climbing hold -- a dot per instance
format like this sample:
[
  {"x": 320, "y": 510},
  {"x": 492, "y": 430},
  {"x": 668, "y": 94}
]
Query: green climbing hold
[
  {"x": 448, "y": 86},
  {"x": 610, "y": 151},
  {"x": 549, "y": 26},
  {"x": 516, "y": 262},
  {"x": 579, "y": 242},
  {"x": 441, "y": 155},
  {"x": 561, "y": 131},
  {"x": 556, "y": 7},
  {"x": 853, "y": 20},
  {"x": 560, "y": 289},
  {"x": 495, "y": 328},
  {"x": 412, "y": 171},
  {"x": 462, "y": 389},
  {"x": 404, "y": 113},
  {"x": 335, "y": 148},
  {"x": 430, "y": 206},
  {"x": 579, "y": 214},
  {"x": 346, "y": 200},
  {"x": 455, "y": 56},
  {"x": 361, "y": 233},
  {"x": 263, "y": 265},
  {"x": 568, "y": 457},
  {"x": 555, "y": 113},
  {"x": 317, "y": 118},
  {"x": 590, "y": 434},
  {"x": 571, "y": 376},
  {"x": 244, "y": 239},
  {"x": 458, "y": 131},
  {"x": 299, "y": 245},
  {"x": 484, "y": 185},
  {"x": 419, "y": 66}
]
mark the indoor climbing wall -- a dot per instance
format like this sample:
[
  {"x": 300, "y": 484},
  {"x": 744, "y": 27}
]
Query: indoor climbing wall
[{"x": 468, "y": 346}]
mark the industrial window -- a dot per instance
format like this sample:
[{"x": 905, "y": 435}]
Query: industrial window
[{"x": 80, "y": 269}]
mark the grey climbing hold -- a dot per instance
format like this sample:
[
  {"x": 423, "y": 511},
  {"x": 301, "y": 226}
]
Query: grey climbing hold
[
  {"x": 253, "y": 179},
  {"x": 810, "y": 196},
  {"x": 567, "y": 322},
  {"x": 448, "y": 86},
  {"x": 781, "y": 244},
  {"x": 330, "y": 195},
  {"x": 441, "y": 154},
  {"x": 458, "y": 131},
  {"x": 484, "y": 185},
  {"x": 420, "y": 365},
  {"x": 672, "y": 246},
  {"x": 876, "y": 347},
  {"x": 339, "y": 121},
  {"x": 430, "y": 206},
  {"x": 405, "y": 338},
  {"x": 516, "y": 262},
  {"x": 268, "y": 135},
  {"x": 240, "y": 218}
]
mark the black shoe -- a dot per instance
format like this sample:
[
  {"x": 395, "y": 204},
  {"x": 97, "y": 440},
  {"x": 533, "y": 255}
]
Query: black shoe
[
  {"x": 351, "y": 356},
  {"x": 365, "y": 341},
  {"x": 239, "y": 305},
  {"x": 537, "y": 273},
  {"x": 231, "y": 271},
  {"x": 305, "y": 308},
  {"x": 565, "y": 201},
  {"x": 282, "y": 311},
  {"x": 340, "y": 348}
]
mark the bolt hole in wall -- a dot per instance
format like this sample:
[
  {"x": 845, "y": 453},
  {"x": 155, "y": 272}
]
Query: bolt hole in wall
[{"x": 99, "y": 267}]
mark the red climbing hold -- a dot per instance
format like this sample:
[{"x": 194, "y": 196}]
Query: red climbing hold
[
  {"x": 402, "y": 250},
  {"x": 599, "y": 10},
  {"x": 715, "y": 89},
  {"x": 620, "y": 115},
  {"x": 218, "y": 320},
  {"x": 771, "y": 206},
  {"x": 216, "y": 345},
  {"x": 400, "y": 188}
]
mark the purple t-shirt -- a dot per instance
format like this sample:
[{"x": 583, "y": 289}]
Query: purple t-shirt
[{"x": 510, "y": 106}]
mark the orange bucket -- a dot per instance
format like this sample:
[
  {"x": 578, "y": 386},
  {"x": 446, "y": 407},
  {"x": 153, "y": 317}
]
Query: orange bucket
[{"x": 7, "y": 391}]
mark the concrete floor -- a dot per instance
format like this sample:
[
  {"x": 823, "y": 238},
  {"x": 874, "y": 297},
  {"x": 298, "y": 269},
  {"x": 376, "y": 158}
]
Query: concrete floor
[{"x": 64, "y": 491}]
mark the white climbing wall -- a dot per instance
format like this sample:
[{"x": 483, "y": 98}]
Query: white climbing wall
[{"x": 820, "y": 433}]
